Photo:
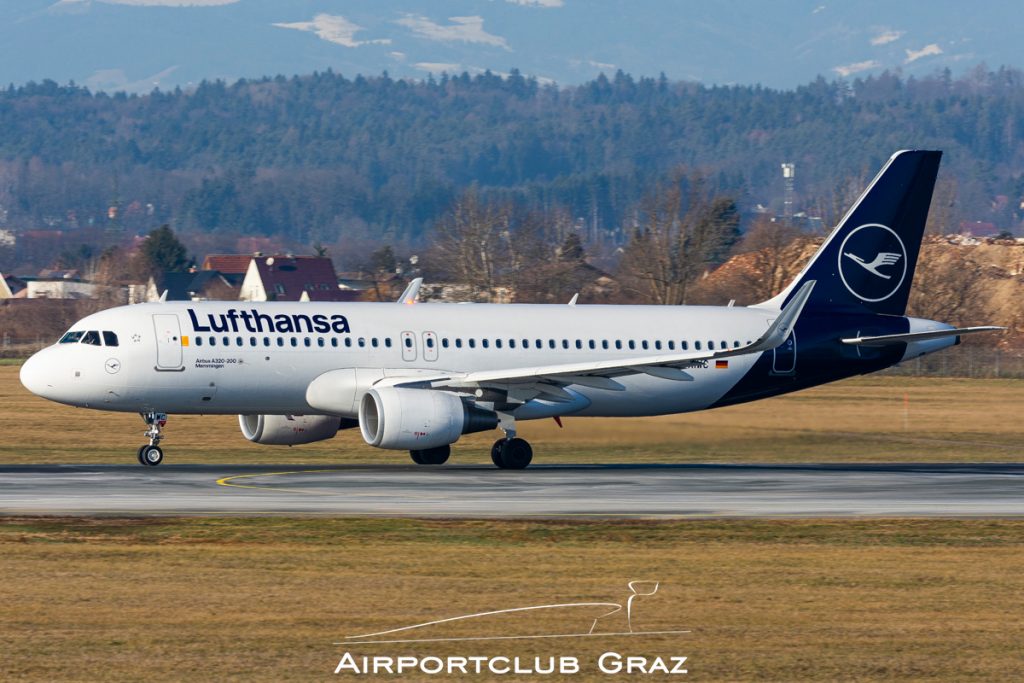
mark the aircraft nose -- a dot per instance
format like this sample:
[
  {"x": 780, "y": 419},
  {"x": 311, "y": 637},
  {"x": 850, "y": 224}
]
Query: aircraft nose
[{"x": 36, "y": 376}]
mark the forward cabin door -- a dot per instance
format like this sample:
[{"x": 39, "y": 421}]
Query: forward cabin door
[{"x": 168, "y": 341}]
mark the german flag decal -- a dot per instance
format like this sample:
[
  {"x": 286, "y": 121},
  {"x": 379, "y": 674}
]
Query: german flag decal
[{"x": 721, "y": 365}]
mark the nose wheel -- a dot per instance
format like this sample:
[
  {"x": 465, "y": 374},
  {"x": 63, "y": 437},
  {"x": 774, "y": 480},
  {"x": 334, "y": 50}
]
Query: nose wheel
[{"x": 151, "y": 454}]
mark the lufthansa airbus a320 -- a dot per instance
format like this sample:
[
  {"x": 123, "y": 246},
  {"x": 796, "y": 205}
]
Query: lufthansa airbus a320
[{"x": 417, "y": 377}]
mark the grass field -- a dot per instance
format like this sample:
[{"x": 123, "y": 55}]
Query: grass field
[
  {"x": 265, "y": 599},
  {"x": 866, "y": 419}
]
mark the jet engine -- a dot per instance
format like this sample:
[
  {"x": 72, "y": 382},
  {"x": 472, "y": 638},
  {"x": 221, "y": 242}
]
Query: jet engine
[
  {"x": 288, "y": 430},
  {"x": 417, "y": 419}
]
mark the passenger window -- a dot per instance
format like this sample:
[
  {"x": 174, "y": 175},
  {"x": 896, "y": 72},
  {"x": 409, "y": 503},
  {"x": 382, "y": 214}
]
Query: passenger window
[
  {"x": 374, "y": 343},
  {"x": 644, "y": 344},
  {"x": 696, "y": 345},
  {"x": 497, "y": 343},
  {"x": 92, "y": 337},
  {"x": 685, "y": 345},
  {"x": 320, "y": 342},
  {"x": 408, "y": 342},
  {"x": 565, "y": 343},
  {"x": 444, "y": 342},
  {"x": 579, "y": 344},
  {"x": 724, "y": 345},
  {"x": 526, "y": 343},
  {"x": 539, "y": 343},
  {"x": 213, "y": 341},
  {"x": 362, "y": 342},
  {"x": 295, "y": 341},
  {"x": 657, "y": 345},
  {"x": 632, "y": 344},
  {"x": 511, "y": 343},
  {"x": 71, "y": 338},
  {"x": 735, "y": 344},
  {"x": 348, "y": 342},
  {"x": 711, "y": 345},
  {"x": 551, "y": 343},
  {"x": 334, "y": 342},
  {"x": 266, "y": 341},
  {"x": 227, "y": 341},
  {"x": 199, "y": 341},
  {"x": 485, "y": 343},
  {"x": 430, "y": 342},
  {"x": 280, "y": 341},
  {"x": 458, "y": 343},
  {"x": 252, "y": 341},
  {"x": 472, "y": 343},
  {"x": 604, "y": 344},
  {"x": 387, "y": 342},
  {"x": 618, "y": 344},
  {"x": 238, "y": 341},
  {"x": 109, "y": 339},
  {"x": 671, "y": 345},
  {"x": 592, "y": 344},
  {"x": 307, "y": 342}
]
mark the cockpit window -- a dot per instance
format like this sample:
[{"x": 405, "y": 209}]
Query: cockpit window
[
  {"x": 109, "y": 338},
  {"x": 91, "y": 337},
  {"x": 71, "y": 337}
]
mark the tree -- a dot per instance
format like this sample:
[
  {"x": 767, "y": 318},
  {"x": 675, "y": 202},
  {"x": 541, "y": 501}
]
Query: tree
[
  {"x": 472, "y": 240},
  {"x": 163, "y": 251},
  {"x": 682, "y": 231}
]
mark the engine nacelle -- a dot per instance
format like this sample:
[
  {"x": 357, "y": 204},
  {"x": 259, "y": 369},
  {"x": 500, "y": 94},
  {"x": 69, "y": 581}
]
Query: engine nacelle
[
  {"x": 417, "y": 419},
  {"x": 288, "y": 430}
]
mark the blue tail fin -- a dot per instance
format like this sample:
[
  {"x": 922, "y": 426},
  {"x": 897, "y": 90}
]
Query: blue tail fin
[{"x": 868, "y": 261}]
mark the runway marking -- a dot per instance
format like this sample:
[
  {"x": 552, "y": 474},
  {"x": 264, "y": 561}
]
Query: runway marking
[{"x": 227, "y": 481}]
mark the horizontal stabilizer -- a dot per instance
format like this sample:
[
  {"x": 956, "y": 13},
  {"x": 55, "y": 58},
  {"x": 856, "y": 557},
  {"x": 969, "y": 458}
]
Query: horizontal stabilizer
[{"x": 886, "y": 339}]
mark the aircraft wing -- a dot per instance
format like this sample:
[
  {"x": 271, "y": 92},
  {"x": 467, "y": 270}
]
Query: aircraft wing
[{"x": 599, "y": 374}]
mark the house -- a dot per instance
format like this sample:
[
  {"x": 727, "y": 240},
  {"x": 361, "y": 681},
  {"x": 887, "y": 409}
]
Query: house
[
  {"x": 292, "y": 278},
  {"x": 10, "y": 286},
  {"x": 232, "y": 267},
  {"x": 193, "y": 285}
]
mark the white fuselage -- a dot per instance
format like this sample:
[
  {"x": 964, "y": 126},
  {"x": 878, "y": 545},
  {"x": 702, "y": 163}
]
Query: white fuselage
[{"x": 175, "y": 358}]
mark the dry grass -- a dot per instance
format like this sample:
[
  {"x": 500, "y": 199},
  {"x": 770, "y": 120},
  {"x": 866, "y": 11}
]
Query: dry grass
[
  {"x": 866, "y": 419},
  {"x": 264, "y": 599}
]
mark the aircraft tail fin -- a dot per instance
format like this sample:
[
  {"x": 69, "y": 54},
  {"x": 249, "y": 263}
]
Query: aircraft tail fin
[{"x": 867, "y": 262}]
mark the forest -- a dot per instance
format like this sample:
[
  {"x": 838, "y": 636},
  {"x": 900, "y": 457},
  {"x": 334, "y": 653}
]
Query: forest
[{"x": 326, "y": 158}]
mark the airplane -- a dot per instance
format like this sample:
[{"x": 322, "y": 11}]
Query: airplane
[{"x": 417, "y": 376}]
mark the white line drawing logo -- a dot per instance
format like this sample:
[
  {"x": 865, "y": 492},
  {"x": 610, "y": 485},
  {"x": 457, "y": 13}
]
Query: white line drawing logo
[
  {"x": 890, "y": 255},
  {"x": 637, "y": 589},
  {"x": 885, "y": 258}
]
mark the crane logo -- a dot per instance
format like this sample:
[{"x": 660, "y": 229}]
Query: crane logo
[{"x": 872, "y": 262}]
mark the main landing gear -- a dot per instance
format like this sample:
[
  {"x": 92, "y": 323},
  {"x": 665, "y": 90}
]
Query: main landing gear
[
  {"x": 511, "y": 453},
  {"x": 431, "y": 456},
  {"x": 151, "y": 454}
]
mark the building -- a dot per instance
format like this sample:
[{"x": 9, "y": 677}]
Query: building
[
  {"x": 232, "y": 267},
  {"x": 292, "y": 278},
  {"x": 193, "y": 285}
]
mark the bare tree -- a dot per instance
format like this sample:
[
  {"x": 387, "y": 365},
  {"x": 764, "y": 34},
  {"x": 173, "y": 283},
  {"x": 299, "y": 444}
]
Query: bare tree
[
  {"x": 473, "y": 241},
  {"x": 682, "y": 231},
  {"x": 950, "y": 284}
]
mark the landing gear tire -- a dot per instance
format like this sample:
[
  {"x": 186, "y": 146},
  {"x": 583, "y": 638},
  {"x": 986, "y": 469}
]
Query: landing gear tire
[
  {"x": 512, "y": 454},
  {"x": 151, "y": 456},
  {"x": 431, "y": 456}
]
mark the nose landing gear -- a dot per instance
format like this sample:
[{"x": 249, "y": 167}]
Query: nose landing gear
[{"x": 151, "y": 454}]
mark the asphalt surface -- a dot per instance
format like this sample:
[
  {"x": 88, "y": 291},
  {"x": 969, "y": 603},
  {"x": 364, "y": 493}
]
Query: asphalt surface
[{"x": 541, "y": 491}]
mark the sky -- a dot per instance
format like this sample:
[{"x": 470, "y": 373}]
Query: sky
[{"x": 136, "y": 45}]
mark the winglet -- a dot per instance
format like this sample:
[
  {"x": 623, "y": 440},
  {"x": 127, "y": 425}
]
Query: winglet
[
  {"x": 575, "y": 297},
  {"x": 411, "y": 292},
  {"x": 163, "y": 297},
  {"x": 783, "y": 325}
]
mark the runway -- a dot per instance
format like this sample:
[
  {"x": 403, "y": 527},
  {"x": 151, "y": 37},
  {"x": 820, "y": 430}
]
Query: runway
[{"x": 541, "y": 491}]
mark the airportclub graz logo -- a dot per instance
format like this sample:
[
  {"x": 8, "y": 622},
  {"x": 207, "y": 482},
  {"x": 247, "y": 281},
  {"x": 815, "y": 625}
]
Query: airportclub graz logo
[{"x": 872, "y": 262}]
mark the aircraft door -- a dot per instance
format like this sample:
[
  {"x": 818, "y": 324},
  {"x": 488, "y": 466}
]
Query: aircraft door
[
  {"x": 168, "y": 341},
  {"x": 408, "y": 346},
  {"x": 429, "y": 346},
  {"x": 784, "y": 356}
]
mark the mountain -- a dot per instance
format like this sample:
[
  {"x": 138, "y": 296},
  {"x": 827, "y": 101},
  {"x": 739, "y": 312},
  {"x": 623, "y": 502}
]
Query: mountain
[{"x": 136, "y": 45}]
